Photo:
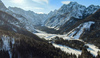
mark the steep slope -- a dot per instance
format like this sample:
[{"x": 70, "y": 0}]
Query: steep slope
[
  {"x": 71, "y": 23},
  {"x": 31, "y": 17},
  {"x": 93, "y": 35},
  {"x": 2, "y": 6},
  {"x": 70, "y": 14},
  {"x": 87, "y": 25},
  {"x": 9, "y": 23},
  {"x": 88, "y": 29},
  {"x": 23, "y": 20},
  {"x": 91, "y": 9},
  {"x": 65, "y": 13}
]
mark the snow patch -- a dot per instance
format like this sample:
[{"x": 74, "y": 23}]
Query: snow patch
[
  {"x": 7, "y": 41},
  {"x": 93, "y": 49},
  {"x": 82, "y": 27},
  {"x": 68, "y": 49}
]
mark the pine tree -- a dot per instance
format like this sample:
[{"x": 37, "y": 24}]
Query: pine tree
[{"x": 85, "y": 54}]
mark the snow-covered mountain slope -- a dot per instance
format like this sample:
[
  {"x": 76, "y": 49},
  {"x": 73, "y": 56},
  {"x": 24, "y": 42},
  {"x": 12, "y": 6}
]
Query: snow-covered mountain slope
[
  {"x": 88, "y": 25},
  {"x": 77, "y": 32},
  {"x": 9, "y": 23},
  {"x": 64, "y": 14},
  {"x": 68, "y": 13},
  {"x": 26, "y": 24},
  {"x": 91, "y": 9},
  {"x": 33, "y": 18}
]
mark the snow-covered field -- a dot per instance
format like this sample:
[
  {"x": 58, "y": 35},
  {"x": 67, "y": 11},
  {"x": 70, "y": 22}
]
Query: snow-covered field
[
  {"x": 92, "y": 48},
  {"x": 47, "y": 36}
]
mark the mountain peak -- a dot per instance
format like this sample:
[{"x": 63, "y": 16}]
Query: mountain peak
[
  {"x": 72, "y": 6},
  {"x": 73, "y": 2},
  {"x": 94, "y": 6},
  {"x": 70, "y": 3},
  {"x": 91, "y": 9}
]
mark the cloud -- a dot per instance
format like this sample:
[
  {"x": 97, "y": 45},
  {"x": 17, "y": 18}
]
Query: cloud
[
  {"x": 47, "y": 1},
  {"x": 41, "y": 1},
  {"x": 65, "y": 2},
  {"x": 40, "y": 12}
]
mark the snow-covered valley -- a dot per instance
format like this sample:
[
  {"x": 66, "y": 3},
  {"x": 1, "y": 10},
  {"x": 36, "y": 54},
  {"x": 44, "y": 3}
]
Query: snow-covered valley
[
  {"x": 92, "y": 48},
  {"x": 48, "y": 36}
]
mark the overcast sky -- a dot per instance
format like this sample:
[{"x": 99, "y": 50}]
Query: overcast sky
[{"x": 45, "y": 6}]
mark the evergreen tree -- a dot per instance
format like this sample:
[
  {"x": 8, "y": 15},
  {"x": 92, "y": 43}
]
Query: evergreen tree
[{"x": 85, "y": 54}]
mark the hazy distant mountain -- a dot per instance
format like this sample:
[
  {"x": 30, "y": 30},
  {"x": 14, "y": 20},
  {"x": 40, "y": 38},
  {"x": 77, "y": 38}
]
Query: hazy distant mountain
[
  {"x": 33, "y": 18},
  {"x": 26, "y": 25}
]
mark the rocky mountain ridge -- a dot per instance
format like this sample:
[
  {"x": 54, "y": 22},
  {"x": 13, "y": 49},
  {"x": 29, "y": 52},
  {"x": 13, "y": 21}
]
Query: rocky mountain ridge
[{"x": 69, "y": 13}]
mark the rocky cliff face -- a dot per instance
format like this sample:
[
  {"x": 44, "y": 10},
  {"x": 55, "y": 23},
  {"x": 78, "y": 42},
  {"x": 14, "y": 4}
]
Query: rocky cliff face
[{"x": 70, "y": 14}]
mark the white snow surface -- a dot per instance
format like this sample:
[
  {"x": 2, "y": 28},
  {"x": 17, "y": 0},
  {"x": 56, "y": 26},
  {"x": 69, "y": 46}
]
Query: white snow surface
[
  {"x": 83, "y": 26},
  {"x": 93, "y": 49},
  {"x": 6, "y": 44},
  {"x": 47, "y": 36}
]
